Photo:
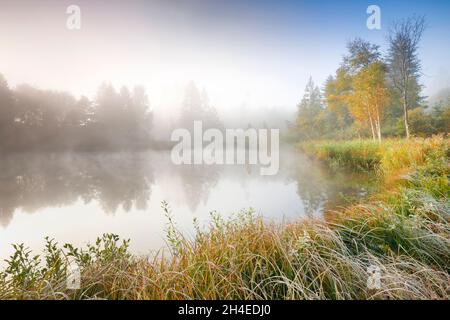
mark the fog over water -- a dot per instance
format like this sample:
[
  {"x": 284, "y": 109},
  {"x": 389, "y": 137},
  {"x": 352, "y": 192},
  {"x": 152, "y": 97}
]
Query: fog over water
[{"x": 75, "y": 197}]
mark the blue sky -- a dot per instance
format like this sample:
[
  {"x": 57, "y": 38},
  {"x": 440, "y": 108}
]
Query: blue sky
[{"x": 257, "y": 52}]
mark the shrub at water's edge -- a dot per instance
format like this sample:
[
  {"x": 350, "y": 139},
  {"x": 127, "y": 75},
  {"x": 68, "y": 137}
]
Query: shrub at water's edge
[{"x": 404, "y": 232}]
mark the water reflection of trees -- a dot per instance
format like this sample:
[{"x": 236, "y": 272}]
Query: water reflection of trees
[
  {"x": 30, "y": 181},
  {"x": 33, "y": 181},
  {"x": 321, "y": 189},
  {"x": 197, "y": 182},
  {"x": 123, "y": 181}
]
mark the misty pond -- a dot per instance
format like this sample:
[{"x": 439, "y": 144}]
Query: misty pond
[{"x": 75, "y": 197}]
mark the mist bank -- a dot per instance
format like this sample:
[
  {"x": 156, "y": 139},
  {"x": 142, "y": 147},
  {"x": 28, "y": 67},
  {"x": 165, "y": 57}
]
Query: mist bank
[{"x": 33, "y": 119}]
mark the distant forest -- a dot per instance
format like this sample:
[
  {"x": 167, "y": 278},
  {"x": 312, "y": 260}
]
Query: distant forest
[
  {"x": 34, "y": 119},
  {"x": 39, "y": 119}
]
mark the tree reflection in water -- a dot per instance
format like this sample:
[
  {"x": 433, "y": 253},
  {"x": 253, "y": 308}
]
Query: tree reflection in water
[{"x": 31, "y": 181}]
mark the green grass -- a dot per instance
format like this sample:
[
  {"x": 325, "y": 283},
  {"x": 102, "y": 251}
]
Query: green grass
[
  {"x": 404, "y": 231},
  {"x": 388, "y": 157},
  {"x": 357, "y": 154}
]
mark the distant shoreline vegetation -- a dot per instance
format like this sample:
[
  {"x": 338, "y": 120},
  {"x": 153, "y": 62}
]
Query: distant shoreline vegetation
[{"x": 32, "y": 119}]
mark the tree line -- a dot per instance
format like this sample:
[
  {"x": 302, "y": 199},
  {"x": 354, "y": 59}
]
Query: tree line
[
  {"x": 35, "y": 119},
  {"x": 371, "y": 95},
  {"x": 31, "y": 118}
]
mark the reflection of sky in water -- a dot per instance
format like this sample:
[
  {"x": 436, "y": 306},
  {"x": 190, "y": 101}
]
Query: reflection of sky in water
[{"x": 77, "y": 197}]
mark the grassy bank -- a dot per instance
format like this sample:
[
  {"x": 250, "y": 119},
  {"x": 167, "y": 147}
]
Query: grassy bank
[
  {"x": 404, "y": 231},
  {"x": 390, "y": 156}
]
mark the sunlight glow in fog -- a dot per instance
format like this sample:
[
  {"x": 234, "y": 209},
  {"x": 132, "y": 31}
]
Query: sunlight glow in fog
[{"x": 253, "y": 53}]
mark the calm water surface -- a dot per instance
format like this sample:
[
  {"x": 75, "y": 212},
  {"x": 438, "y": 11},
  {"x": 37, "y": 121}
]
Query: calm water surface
[{"x": 75, "y": 197}]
